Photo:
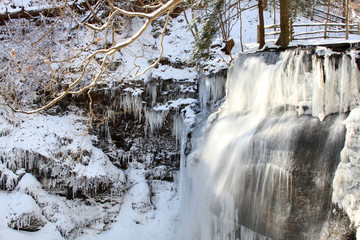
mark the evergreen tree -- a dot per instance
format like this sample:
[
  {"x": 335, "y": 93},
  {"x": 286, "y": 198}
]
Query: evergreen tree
[{"x": 209, "y": 29}]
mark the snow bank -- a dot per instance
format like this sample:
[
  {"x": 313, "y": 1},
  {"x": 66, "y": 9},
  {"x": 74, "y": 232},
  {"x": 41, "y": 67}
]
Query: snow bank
[
  {"x": 149, "y": 211},
  {"x": 27, "y": 5},
  {"x": 15, "y": 206},
  {"x": 25, "y": 214}
]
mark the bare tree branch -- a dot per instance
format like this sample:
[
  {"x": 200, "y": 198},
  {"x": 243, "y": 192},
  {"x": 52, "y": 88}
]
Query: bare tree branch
[{"x": 92, "y": 11}]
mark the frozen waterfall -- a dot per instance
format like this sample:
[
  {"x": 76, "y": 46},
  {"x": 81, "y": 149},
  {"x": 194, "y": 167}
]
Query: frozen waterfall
[{"x": 262, "y": 165}]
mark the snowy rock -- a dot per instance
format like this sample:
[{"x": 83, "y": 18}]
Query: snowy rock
[
  {"x": 140, "y": 198},
  {"x": 161, "y": 173},
  {"x": 70, "y": 217},
  {"x": 8, "y": 179},
  {"x": 25, "y": 214}
]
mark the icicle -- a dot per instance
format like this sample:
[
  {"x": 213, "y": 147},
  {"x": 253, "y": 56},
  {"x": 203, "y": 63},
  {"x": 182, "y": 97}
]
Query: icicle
[
  {"x": 152, "y": 89},
  {"x": 132, "y": 103},
  {"x": 332, "y": 90},
  {"x": 110, "y": 117},
  {"x": 154, "y": 120},
  {"x": 179, "y": 128},
  {"x": 211, "y": 89}
]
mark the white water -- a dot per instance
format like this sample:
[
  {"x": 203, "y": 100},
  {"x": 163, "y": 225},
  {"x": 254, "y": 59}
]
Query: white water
[{"x": 240, "y": 175}]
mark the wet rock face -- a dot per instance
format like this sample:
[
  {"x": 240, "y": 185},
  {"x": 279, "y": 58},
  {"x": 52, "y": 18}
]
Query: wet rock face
[
  {"x": 291, "y": 201},
  {"x": 316, "y": 156},
  {"x": 285, "y": 186}
]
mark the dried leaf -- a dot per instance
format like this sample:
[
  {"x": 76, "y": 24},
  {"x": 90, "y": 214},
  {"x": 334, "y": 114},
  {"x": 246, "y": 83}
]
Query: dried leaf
[{"x": 13, "y": 53}]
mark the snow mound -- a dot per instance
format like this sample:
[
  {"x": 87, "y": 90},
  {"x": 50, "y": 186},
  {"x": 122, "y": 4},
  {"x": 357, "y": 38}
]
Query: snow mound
[{"x": 25, "y": 214}]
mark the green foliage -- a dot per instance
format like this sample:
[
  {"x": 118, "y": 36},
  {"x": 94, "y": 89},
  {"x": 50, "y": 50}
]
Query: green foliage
[{"x": 209, "y": 29}]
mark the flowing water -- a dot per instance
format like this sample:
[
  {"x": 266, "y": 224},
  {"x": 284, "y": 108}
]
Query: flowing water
[{"x": 262, "y": 164}]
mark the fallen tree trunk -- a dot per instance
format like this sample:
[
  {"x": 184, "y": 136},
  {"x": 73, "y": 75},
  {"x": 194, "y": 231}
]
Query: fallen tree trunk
[{"x": 23, "y": 13}]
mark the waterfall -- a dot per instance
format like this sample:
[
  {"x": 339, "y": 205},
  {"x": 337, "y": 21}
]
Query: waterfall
[{"x": 262, "y": 164}]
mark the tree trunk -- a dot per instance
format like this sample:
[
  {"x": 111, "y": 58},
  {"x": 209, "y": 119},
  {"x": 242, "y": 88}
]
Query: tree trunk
[
  {"x": 261, "y": 24},
  {"x": 347, "y": 18},
  {"x": 265, "y": 3},
  {"x": 344, "y": 9},
  {"x": 284, "y": 38},
  {"x": 50, "y": 12}
]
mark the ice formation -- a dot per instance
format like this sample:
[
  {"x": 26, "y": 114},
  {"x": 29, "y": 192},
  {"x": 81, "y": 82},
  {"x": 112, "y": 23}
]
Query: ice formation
[
  {"x": 346, "y": 181},
  {"x": 132, "y": 103},
  {"x": 313, "y": 83},
  {"x": 154, "y": 120},
  {"x": 211, "y": 89}
]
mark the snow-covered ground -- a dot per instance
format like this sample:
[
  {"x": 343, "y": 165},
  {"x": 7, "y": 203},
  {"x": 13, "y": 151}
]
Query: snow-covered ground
[{"x": 56, "y": 140}]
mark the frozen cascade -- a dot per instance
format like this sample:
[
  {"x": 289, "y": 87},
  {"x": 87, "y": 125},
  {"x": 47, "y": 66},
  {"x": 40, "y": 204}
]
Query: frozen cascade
[
  {"x": 211, "y": 89},
  {"x": 264, "y": 162},
  {"x": 152, "y": 89}
]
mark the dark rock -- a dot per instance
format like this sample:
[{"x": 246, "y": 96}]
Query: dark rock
[{"x": 27, "y": 222}]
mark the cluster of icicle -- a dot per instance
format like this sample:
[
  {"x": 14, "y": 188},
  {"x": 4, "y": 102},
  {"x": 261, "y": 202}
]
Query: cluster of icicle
[
  {"x": 68, "y": 216},
  {"x": 318, "y": 84},
  {"x": 97, "y": 174},
  {"x": 87, "y": 176},
  {"x": 131, "y": 102},
  {"x": 13, "y": 165}
]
